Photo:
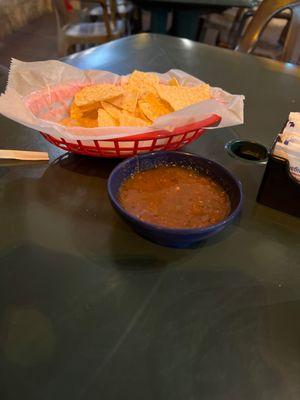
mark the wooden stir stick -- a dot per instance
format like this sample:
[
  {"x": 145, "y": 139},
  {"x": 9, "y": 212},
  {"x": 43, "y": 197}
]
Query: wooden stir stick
[{"x": 24, "y": 155}]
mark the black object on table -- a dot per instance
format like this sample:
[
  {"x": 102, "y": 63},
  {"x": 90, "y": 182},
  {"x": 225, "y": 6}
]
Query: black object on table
[
  {"x": 90, "y": 310},
  {"x": 277, "y": 175}
]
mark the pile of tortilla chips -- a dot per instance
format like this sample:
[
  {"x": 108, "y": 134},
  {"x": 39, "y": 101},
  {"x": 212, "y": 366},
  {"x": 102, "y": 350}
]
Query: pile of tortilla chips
[{"x": 138, "y": 102}]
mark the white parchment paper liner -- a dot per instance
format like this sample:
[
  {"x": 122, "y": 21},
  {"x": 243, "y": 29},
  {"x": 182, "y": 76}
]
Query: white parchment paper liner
[{"x": 38, "y": 95}]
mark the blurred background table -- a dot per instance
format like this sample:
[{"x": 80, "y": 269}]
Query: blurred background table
[
  {"x": 89, "y": 310},
  {"x": 186, "y": 13}
]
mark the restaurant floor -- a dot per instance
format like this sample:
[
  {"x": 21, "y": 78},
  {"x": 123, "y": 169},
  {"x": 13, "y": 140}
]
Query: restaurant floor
[
  {"x": 37, "y": 40},
  {"x": 33, "y": 42}
]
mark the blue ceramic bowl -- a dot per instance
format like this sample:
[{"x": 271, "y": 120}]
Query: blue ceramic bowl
[{"x": 169, "y": 236}]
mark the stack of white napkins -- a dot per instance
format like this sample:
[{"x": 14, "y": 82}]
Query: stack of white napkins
[{"x": 288, "y": 144}]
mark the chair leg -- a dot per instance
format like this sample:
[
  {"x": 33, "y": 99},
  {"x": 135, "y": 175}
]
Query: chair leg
[
  {"x": 127, "y": 25},
  {"x": 62, "y": 47},
  {"x": 201, "y": 30},
  {"x": 136, "y": 21}
]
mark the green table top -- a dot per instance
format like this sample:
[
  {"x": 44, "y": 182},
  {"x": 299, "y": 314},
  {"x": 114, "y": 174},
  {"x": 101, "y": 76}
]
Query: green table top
[{"x": 90, "y": 310}]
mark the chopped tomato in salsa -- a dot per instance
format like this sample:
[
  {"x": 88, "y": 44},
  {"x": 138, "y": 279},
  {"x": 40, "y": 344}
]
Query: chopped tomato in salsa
[{"x": 174, "y": 197}]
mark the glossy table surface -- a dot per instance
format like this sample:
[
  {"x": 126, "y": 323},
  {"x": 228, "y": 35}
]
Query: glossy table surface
[{"x": 90, "y": 310}]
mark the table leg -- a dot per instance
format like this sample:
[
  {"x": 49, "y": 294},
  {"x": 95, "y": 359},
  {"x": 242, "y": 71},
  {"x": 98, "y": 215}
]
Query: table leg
[
  {"x": 185, "y": 23},
  {"x": 159, "y": 18}
]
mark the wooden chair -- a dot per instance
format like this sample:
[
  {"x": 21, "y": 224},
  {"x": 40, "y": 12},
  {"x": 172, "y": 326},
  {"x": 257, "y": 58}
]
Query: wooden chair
[
  {"x": 266, "y": 11},
  {"x": 224, "y": 26},
  {"x": 70, "y": 32},
  {"x": 122, "y": 9}
]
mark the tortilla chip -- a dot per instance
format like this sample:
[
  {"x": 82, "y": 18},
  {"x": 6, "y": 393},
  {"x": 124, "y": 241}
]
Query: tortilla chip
[
  {"x": 128, "y": 119},
  {"x": 130, "y": 99},
  {"x": 104, "y": 119},
  {"x": 153, "y": 107},
  {"x": 127, "y": 101},
  {"x": 139, "y": 114},
  {"x": 81, "y": 116},
  {"x": 96, "y": 93},
  {"x": 92, "y": 114},
  {"x": 138, "y": 77},
  {"x": 173, "y": 82},
  {"x": 117, "y": 102},
  {"x": 183, "y": 96},
  {"x": 138, "y": 101},
  {"x": 142, "y": 82},
  {"x": 112, "y": 110},
  {"x": 87, "y": 122},
  {"x": 75, "y": 111},
  {"x": 78, "y": 112},
  {"x": 69, "y": 122}
]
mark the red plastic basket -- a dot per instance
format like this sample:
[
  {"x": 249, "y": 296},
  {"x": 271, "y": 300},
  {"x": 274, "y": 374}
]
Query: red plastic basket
[{"x": 132, "y": 145}]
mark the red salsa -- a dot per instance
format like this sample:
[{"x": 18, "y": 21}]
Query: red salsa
[{"x": 174, "y": 197}]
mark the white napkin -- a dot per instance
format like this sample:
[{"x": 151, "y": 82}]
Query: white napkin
[{"x": 288, "y": 144}]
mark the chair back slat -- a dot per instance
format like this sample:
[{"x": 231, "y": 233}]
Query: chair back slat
[
  {"x": 291, "y": 49},
  {"x": 266, "y": 11},
  {"x": 113, "y": 11},
  {"x": 106, "y": 17}
]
